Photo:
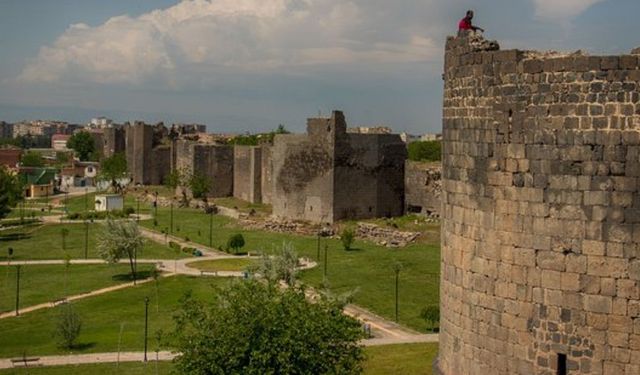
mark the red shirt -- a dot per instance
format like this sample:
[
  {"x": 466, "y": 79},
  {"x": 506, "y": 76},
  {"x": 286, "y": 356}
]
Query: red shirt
[{"x": 465, "y": 24}]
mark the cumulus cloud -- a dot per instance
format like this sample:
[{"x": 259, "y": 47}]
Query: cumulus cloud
[
  {"x": 561, "y": 10},
  {"x": 209, "y": 36}
]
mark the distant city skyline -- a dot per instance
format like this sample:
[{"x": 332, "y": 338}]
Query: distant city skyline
[{"x": 249, "y": 65}]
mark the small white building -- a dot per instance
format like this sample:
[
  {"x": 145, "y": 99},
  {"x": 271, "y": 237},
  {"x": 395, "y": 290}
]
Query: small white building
[{"x": 109, "y": 202}]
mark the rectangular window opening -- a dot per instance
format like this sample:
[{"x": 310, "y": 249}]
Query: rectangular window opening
[{"x": 562, "y": 364}]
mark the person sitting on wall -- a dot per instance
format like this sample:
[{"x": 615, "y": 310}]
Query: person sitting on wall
[{"x": 466, "y": 25}]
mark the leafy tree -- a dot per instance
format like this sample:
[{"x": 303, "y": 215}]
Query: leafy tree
[
  {"x": 255, "y": 327},
  {"x": 431, "y": 314},
  {"x": 68, "y": 327},
  {"x": 282, "y": 267},
  {"x": 235, "y": 242},
  {"x": 172, "y": 180},
  {"x": 425, "y": 151},
  {"x": 83, "y": 144},
  {"x": 347, "y": 237},
  {"x": 32, "y": 159},
  {"x": 62, "y": 158},
  {"x": 114, "y": 168},
  {"x": 10, "y": 191},
  {"x": 199, "y": 185},
  {"x": 120, "y": 239}
]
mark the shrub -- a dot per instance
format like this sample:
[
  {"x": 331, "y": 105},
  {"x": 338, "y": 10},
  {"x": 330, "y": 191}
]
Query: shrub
[
  {"x": 174, "y": 245},
  {"x": 431, "y": 314},
  {"x": 68, "y": 327},
  {"x": 425, "y": 151},
  {"x": 235, "y": 242},
  {"x": 129, "y": 211},
  {"x": 347, "y": 237}
]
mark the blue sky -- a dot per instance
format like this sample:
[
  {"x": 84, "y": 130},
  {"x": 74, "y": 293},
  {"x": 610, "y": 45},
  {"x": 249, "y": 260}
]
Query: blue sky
[{"x": 249, "y": 65}]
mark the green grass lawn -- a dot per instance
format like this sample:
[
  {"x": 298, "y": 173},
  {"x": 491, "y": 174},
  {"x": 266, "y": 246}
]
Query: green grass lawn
[
  {"x": 368, "y": 268},
  {"x": 78, "y": 203},
  {"x": 400, "y": 359},
  {"x": 103, "y": 317},
  {"x": 243, "y": 206},
  {"x": 410, "y": 359},
  {"x": 238, "y": 264},
  {"x": 47, "y": 283},
  {"x": 128, "y": 368},
  {"x": 45, "y": 242}
]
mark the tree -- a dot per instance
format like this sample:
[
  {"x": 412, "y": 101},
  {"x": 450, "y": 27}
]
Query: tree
[
  {"x": 83, "y": 144},
  {"x": 114, "y": 168},
  {"x": 431, "y": 314},
  {"x": 120, "y": 239},
  {"x": 199, "y": 185},
  {"x": 32, "y": 159},
  {"x": 10, "y": 191},
  {"x": 68, "y": 326},
  {"x": 172, "y": 180},
  {"x": 255, "y": 327},
  {"x": 235, "y": 242},
  {"x": 425, "y": 151},
  {"x": 282, "y": 267},
  {"x": 347, "y": 237}
]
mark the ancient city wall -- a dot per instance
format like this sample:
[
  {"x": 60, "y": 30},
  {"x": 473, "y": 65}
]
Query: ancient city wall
[
  {"x": 267, "y": 174},
  {"x": 247, "y": 173},
  {"x": 541, "y": 213},
  {"x": 211, "y": 161},
  {"x": 423, "y": 187},
  {"x": 139, "y": 143}
]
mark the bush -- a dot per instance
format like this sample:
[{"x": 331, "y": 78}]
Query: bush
[
  {"x": 68, "y": 327},
  {"x": 431, "y": 314},
  {"x": 347, "y": 237},
  {"x": 425, "y": 151},
  {"x": 174, "y": 245},
  {"x": 235, "y": 242},
  {"x": 129, "y": 211}
]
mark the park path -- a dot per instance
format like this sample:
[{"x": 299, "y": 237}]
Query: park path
[{"x": 78, "y": 359}]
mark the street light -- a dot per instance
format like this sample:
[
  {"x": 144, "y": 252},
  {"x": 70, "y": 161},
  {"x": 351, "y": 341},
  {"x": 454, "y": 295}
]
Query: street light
[
  {"x": 86, "y": 239},
  {"x": 138, "y": 202},
  {"x": 17, "y": 290},
  {"x": 146, "y": 325},
  {"x": 326, "y": 248},
  {"x": 211, "y": 228},
  {"x": 171, "y": 220},
  {"x": 397, "y": 267}
]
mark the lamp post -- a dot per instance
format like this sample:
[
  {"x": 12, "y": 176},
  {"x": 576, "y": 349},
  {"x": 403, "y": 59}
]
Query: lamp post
[
  {"x": 138, "y": 204},
  {"x": 86, "y": 239},
  {"x": 318, "y": 245},
  {"x": 211, "y": 228},
  {"x": 397, "y": 267},
  {"x": 171, "y": 220},
  {"x": 155, "y": 205},
  {"x": 17, "y": 290},
  {"x": 326, "y": 248},
  {"x": 10, "y": 251},
  {"x": 86, "y": 199},
  {"x": 146, "y": 325}
]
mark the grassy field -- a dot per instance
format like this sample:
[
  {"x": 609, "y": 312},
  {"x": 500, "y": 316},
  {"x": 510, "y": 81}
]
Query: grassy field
[
  {"x": 400, "y": 359},
  {"x": 48, "y": 283},
  {"x": 410, "y": 359},
  {"x": 368, "y": 268},
  {"x": 45, "y": 242},
  {"x": 78, "y": 203},
  {"x": 103, "y": 317},
  {"x": 223, "y": 265}
]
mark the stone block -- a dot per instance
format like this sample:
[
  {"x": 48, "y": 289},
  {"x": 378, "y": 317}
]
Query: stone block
[{"x": 598, "y": 304}]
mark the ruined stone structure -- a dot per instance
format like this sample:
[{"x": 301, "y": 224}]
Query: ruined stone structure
[
  {"x": 247, "y": 173},
  {"x": 541, "y": 213},
  {"x": 211, "y": 161},
  {"x": 422, "y": 187},
  {"x": 148, "y": 160},
  {"x": 114, "y": 139},
  {"x": 329, "y": 174}
]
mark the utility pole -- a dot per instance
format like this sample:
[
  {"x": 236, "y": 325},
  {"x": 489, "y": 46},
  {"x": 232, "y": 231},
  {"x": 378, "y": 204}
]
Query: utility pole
[
  {"x": 17, "y": 290},
  {"x": 146, "y": 325}
]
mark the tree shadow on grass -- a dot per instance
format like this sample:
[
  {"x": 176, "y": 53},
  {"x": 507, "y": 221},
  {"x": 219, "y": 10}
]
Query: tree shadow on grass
[
  {"x": 14, "y": 236},
  {"x": 83, "y": 346},
  {"x": 129, "y": 277}
]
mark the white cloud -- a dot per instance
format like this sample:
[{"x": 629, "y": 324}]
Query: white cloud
[
  {"x": 561, "y": 10},
  {"x": 209, "y": 36}
]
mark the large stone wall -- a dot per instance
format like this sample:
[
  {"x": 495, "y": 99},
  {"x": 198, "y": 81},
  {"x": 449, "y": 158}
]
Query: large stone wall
[
  {"x": 423, "y": 187},
  {"x": 212, "y": 161},
  {"x": 139, "y": 143},
  {"x": 114, "y": 141},
  {"x": 541, "y": 213},
  {"x": 247, "y": 173},
  {"x": 328, "y": 174}
]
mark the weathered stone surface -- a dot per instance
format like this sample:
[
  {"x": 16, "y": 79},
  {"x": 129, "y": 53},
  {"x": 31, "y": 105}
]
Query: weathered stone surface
[{"x": 541, "y": 161}]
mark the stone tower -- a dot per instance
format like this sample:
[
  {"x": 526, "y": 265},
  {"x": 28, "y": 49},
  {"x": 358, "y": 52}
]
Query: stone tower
[{"x": 541, "y": 213}]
